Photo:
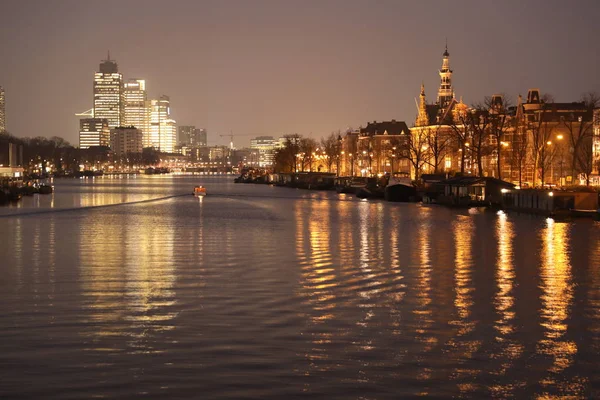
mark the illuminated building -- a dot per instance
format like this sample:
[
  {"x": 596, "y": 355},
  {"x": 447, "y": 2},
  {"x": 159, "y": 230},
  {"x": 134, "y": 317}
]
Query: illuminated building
[
  {"x": 266, "y": 146},
  {"x": 126, "y": 140},
  {"x": 2, "y": 111},
  {"x": 136, "y": 105},
  {"x": 108, "y": 93},
  {"x": 378, "y": 146},
  {"x": 163, "y": 129},
  {"x": 93, "y": 132},
  {"x": 11, "y": 159}
]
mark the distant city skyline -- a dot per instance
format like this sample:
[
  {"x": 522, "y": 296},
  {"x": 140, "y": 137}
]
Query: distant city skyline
[{"x": 276, "y": 67}]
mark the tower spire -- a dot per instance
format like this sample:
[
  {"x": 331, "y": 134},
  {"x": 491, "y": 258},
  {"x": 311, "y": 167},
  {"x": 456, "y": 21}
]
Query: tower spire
[
  {"x": 108, "y": 56},
  {"x": 422, "y": 117},
  {"x": 445, "y": 93}
]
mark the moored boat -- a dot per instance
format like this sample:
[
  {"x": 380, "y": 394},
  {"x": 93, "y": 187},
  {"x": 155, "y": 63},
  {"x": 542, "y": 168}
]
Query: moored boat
[{"x": 400, "y": 189}]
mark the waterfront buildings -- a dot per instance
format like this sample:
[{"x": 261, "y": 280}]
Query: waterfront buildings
[
  {"x": 163, "y": 129},
  {"x": 93, "y": 132},
  {"x": 108, "y": 93},
  {"x": 136, "y": 106},
  {"x": 2, "y": 110},
  {"x": 126, "y": 140},
  {"x": 382, "y": 148}
]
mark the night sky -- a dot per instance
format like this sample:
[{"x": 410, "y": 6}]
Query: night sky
[{"x": 276, "y": 67}]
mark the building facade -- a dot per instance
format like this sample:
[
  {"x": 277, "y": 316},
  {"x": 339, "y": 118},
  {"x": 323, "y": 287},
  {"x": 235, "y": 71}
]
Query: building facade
[
  {"x": 93, "y": 132},
  {"x": 108, "y": 93},
  {"x": 163, "y": 129},
  {"x": 126, "y": 140},
  {"x": 381, "y": 148},
  {"x": 136, "y": 106},
  {"x": 266, "y": 146}
]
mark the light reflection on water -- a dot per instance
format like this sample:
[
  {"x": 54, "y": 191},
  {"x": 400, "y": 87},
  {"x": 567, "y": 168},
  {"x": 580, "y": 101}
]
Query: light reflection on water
[{"x": 246, "y": 296}]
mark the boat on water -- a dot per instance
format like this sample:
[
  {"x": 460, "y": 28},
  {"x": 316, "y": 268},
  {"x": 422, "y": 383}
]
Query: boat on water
[
  {"x": 400, "y": 188},
  {"x": 199, "y": 191}
]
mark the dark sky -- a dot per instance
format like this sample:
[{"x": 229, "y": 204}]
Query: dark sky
[{"x": 274, "y": 67}]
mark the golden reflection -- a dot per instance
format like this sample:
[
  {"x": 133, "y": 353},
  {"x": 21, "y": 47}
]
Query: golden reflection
[
  {"x": 505, "y": 276},
  {"x": 557, "y": 295},
  {"x": 504, "y": 303},
  {"x": 128, "y": 274},
  {"x": 461, "y": 347},
  {"x": 463, "y": 231},
  {"x": 318, "y": 275},
  {"x": 423, "y": 312}
]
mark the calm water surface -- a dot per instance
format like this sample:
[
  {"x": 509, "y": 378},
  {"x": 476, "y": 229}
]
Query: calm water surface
[{"x": 264, "y": 292}]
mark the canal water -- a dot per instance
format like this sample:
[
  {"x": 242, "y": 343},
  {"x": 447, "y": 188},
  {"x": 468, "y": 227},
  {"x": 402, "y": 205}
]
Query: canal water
[{"x": 132, "y": 287}]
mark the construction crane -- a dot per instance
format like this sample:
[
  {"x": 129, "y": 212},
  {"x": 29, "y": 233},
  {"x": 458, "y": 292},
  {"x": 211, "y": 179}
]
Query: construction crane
[{"x": 231, "y": 135}]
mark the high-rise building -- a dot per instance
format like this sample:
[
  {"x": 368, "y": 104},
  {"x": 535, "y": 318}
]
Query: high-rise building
[
  {"x": 199, "y": 138},
  {"x": 2, "y": 111},
  {"x": 136, "y": 105},
  {"x": 266, "y": 146},
  {"x": 126, "y": 140},
  {"x": 163, "y": 129},
  {"x": 93, "y": 132},
  {"x": 184, "y": 135},
  {"x": 191, "y": 136},
  {"x": 108, "y": 93}
]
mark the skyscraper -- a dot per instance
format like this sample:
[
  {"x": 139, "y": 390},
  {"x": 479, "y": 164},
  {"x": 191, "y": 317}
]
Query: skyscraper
[
  {"x": 189, "y": 135},
  {"x": 93, "y": 132},
  {"x": 136, "y": 105},
  {"x": 163, "y": 129},
  {"x": 266, "y": 146},
  {"x": 184, "y": 135},
  {"x": 108, "y": 93},
  {"x": 2, "y": 111}
]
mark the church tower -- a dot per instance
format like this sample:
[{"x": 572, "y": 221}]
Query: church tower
[
  {"x": 422, "y": 118},
  {"x": 445, "y": 94}
]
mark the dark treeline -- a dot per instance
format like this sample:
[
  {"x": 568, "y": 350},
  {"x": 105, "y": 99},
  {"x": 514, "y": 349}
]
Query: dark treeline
[{"x": 40, "y": 152}]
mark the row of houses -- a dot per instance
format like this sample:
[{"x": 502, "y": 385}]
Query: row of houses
[{"x": 536, "y": 141}]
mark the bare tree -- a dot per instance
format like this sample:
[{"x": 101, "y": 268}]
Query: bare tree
[
  {"x": 579, "y": 129},
  {"x": 460, "y": 128},
  {"x": 519, "y": 148},
  {"x": 416, "y": 150},
  {"x": 499, "y": 125},
  {"x": 308, "y": 146},
  {"x": 438, "y": 143},
  {"x": 540, "y": 134},
  {"x": 285, "y": 159},
  {"x": 331, "y": 146},
  {"x": 591, "y": 100}
]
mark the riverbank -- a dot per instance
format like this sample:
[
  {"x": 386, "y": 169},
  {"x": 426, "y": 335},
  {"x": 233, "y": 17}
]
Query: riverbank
[{"x": 456, "y": 192}]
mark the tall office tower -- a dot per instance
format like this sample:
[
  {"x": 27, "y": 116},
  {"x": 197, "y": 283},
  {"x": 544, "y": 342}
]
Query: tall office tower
[
  {"x": 108, "y": 93},
  {"x": 199, "y": 137},
  {"x": 93, "y": 132},
  {"x": 163, "y": 129},
  {"x": 184, "y": 135},
  {"x": 266, "y": 146},
  {"x": 136, "y": 105},
  {"x": 2, "y": 111}
]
